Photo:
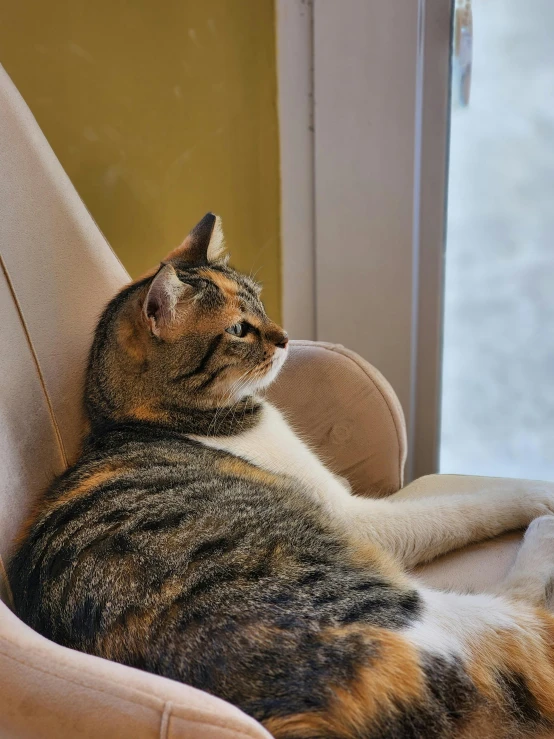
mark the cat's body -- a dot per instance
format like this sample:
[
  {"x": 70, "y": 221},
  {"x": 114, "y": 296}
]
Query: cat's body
[{"x": 199, "y": 538}]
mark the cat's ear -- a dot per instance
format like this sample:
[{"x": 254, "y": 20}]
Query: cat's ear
[
  {"x": 159, "y": 308},
  {"x": 204, "y": 244}
]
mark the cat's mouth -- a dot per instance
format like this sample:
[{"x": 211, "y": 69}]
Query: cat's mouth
[
  {"x": 260, "y": 377},
  {"x": 269, "y": 370}
]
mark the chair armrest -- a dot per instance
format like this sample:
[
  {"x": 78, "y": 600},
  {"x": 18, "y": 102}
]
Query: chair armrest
[
  {"x": 348, "y": 413},
  {"x": 478, "y": 567},
  {"x": 49, "y": 692},
  {"x": 466, "y": 484}
]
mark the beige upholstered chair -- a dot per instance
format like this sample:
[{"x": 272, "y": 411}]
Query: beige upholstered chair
[{"x": 57, "y": 273}]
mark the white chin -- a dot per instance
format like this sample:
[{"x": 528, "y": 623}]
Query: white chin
[{"x": 274, "y": 369}]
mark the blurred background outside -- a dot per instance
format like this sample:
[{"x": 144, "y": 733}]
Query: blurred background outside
[{"x": 498, "y": 365}]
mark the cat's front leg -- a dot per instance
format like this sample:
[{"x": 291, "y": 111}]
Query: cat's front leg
[{"x": 416, "y": 531}]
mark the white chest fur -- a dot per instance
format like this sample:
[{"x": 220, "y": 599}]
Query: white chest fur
[{"x": 273, "y": 446}]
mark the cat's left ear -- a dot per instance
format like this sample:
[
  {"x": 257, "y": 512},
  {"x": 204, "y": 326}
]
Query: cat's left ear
[
  {"x": 204, "y": 244},
  {"x": 164, "y": 294}
]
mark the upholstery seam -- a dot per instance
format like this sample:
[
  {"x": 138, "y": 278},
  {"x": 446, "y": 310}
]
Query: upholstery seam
[
  {"x": 36, "y": 362},
  {"x": 234, "y": 731},
  {"x": 164, "y": 723},
  {"x": 106, "y": 692},
  {"x": 335, "y": 348}
]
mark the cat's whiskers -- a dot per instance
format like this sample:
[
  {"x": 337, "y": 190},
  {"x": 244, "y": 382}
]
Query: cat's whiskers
[
  {"x": 218, "y": 411},
  {"x": 242, "y": 383}
]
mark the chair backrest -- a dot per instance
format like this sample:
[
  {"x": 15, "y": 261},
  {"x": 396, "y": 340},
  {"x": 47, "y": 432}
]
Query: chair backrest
[{"x": 57, "y": 272}]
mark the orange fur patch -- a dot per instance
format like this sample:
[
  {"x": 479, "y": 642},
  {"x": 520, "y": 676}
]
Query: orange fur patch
[
  {"x": 526, "y": 650},
  {"x": 128, "y": 635},
  {"x": 92, "y": 481},
  {"x": 205, "y": 323},
  {"x": 370, "y": 555},
  {"x": 145, "y": 412},
  {"x": 393, "y": 679},
  {"x": 132, "y": 340},
  {"x": 228, "y": 287},
  {"x": 240, "y": 468}
]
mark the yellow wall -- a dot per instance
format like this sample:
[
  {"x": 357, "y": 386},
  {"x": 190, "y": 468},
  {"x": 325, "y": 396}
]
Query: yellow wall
[{"x": 159, "y": 112}]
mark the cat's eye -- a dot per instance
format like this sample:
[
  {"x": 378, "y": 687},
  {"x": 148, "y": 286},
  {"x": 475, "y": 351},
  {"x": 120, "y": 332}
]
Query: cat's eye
[{"x": 238, "y": 329}]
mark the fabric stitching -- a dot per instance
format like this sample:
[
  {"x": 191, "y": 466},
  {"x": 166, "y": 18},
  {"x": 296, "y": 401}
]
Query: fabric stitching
[
  {"x": 164, "y": 723},
  {"x": 334, "y": 348},
  {"x": 106, "y": 692},
  {"x": 35, "y": 359},
  {"x": 227, "y": 729}
]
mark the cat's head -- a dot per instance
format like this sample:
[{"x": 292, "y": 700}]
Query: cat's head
[{"x": 192, "y": 335}]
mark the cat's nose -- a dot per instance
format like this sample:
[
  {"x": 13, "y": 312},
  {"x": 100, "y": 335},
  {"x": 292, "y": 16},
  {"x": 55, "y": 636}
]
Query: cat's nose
[
  {"x": 277, "y": 336},
  {"x": 282, "y": 341}
]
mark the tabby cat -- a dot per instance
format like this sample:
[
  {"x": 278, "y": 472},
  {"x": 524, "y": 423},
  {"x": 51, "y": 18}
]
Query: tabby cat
[{"x": 197, "y": 537}]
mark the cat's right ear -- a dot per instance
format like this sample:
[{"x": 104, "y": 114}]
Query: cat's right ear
[
  {"x": 166, "y": 290},
  {"x": 204, "y": 244}
]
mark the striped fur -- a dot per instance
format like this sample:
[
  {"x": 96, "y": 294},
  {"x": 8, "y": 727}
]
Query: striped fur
[{"x": 198, "y": 538}]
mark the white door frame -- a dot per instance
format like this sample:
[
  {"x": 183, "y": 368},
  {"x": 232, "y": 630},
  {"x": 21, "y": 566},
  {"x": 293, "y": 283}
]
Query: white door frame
[
  {"x": 364, "y": 114},
  {"x": 294, "y": 27}
]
